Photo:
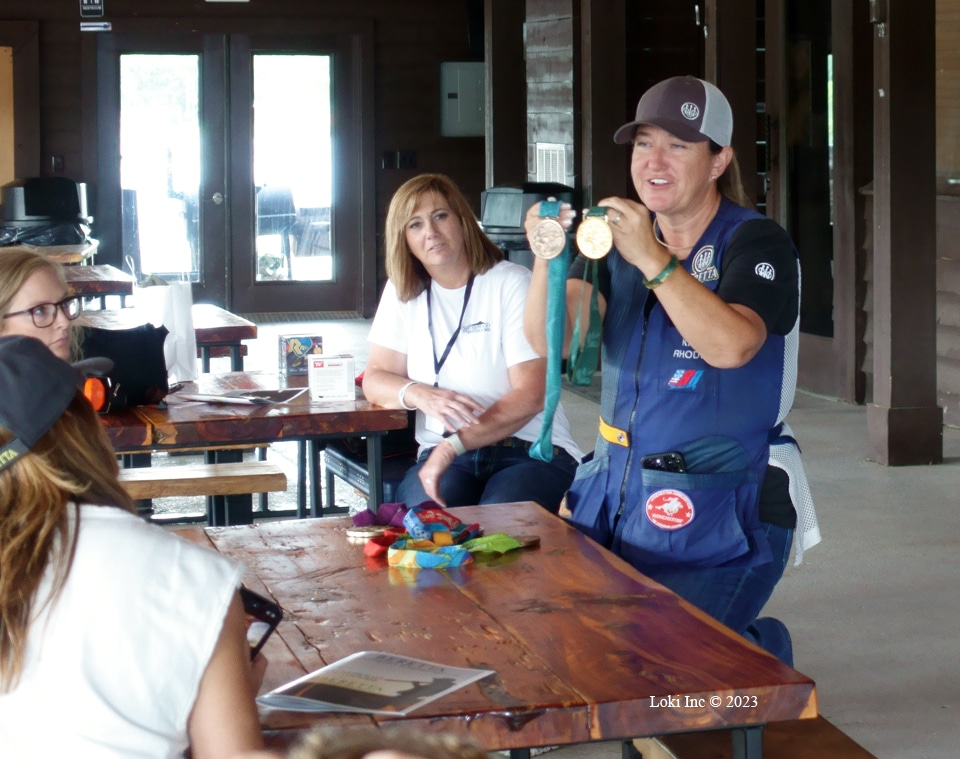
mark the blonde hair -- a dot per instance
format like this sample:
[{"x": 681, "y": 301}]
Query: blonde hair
[
  {"x": 16, "y": 267},
  {"x": 73, "y": 461},
  {"x": 405, "y": 271},
  {"x": 357, "y": 742}
]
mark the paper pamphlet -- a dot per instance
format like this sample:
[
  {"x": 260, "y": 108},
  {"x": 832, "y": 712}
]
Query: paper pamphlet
[
  {"x": 371, "y": 683},
  {"x": 246, "y": 397}
]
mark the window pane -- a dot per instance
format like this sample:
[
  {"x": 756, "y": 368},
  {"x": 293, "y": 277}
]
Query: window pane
[
  {"x": 292, "y": 155},
  {"x": 160, "y": 163}
]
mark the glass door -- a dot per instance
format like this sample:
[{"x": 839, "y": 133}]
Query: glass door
[
  {"x": 160, "y": 160},
  {"x": 218, "y": 168}
]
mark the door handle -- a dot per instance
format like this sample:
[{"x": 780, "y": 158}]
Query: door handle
[{"x": 217, "y": 198}]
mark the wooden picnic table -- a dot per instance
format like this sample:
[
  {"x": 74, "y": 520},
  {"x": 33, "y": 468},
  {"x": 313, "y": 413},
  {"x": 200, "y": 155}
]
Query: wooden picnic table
[
  {"x": 99, "y": 280},
  {"x": 179, "y": 424},
  {"x": 215, "y": 327},
  {"x": 585, "y": 648}
]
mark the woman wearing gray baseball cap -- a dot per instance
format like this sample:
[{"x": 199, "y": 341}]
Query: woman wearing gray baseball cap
[
  {"x": 695, "y": 479},
  {"x": 116, "y": 638}
]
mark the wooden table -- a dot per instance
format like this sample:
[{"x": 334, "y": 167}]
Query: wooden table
[
  {"x": 187, "y": 424},
  {"x": 68, "y": 255},
  {"x": 585, "y": 647},
  {"x": 214, "y": 326},
  {"x": 99, "y": 280}
]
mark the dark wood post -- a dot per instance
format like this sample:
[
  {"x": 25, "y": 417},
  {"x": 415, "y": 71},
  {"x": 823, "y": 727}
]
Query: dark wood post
[
  {"x": 603, "y": 79},
  {"x": 904, "y": 423},
  {"x": 506, "y": 113}
]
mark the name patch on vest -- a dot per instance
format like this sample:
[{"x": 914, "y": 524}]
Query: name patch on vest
[
  {"x": 669, "y": 509},
  {"x": 702, "y": 267}
]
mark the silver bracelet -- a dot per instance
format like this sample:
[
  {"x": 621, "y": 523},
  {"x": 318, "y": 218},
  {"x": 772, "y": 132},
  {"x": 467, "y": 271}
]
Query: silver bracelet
[
  {"x": 403, "y": 391},
  {"x": 457, "y": 443}
]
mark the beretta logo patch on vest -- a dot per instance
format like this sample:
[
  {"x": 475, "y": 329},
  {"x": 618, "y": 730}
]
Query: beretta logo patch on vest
[
  {"x": 669, "y": 509},
  {"x": 702, "y": 267}
]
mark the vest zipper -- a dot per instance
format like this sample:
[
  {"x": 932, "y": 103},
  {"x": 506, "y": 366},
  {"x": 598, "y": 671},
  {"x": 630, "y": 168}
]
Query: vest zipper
[{"x": 648, "y": 306}]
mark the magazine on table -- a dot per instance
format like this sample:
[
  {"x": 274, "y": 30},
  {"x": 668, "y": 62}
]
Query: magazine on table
[
  {"x": 370, "y": 682},
  {"x": 246, "y": 397}
]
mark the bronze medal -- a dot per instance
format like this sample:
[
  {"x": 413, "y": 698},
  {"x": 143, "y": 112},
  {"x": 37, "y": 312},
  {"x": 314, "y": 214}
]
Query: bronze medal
[
  {"x": 548, "y": 239},
  {"x": 594, "y": 238}
]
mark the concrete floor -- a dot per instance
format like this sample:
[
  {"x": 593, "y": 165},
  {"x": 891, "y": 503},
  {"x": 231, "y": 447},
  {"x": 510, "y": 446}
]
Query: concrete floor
[{"x": 872, "y": 609}]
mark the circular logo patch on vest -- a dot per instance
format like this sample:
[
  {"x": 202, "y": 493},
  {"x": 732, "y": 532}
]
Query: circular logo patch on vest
[{"x": 669, "y": 509}]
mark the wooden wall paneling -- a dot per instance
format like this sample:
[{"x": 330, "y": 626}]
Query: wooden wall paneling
[
  {"x": 603, "y": 166},
  {"x": 731, "y": 64},
  {"x": 23, "y": 37}
]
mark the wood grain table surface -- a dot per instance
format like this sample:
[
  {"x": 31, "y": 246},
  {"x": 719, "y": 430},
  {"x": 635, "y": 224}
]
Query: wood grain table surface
[{"x": 584, "y": 647}]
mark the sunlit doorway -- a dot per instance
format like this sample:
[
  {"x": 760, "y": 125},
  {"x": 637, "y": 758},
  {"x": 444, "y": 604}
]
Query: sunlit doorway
[
  {"x": 292, "y": 159},
  {"x": 160, "y": 160},
  {"x": 218, "y": 167}
]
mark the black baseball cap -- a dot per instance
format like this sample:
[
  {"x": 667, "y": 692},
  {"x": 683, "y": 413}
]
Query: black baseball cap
[
  {"x": 35, "y": 389},
  {"x": 687, "y": 107}
]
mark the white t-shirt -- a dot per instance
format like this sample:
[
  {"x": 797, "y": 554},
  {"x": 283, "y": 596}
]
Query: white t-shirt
[
  {"x": 113, "y": 666},
  {"x": 491, "y": 340}
]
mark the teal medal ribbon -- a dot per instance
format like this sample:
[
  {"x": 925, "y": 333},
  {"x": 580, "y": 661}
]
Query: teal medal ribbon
[
  {"x": 557, "y": 270},
  {"x": 584, "y": 358}
]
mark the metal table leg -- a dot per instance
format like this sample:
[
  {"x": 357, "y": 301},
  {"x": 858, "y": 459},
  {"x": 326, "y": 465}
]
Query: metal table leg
[
  {"x": 375, "y": 471},
  {"x": 748, "y": 742}
]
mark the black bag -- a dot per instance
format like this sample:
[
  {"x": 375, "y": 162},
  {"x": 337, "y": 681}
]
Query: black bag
[{"x": 139, "y": 374}]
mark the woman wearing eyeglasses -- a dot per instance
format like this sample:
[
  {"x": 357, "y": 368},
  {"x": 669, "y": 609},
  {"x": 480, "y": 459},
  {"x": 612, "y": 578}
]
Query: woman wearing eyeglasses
[{"x": 35, "y": 301}]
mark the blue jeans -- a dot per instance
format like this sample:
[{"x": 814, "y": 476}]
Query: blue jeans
[
  {"x": 735, "y": 595},
  {"x": 496, "y": 474}
]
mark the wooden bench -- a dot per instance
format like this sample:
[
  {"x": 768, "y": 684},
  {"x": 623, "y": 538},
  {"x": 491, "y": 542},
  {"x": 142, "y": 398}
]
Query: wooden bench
[
  {"x": 225, "y": 479},
  {"x": 797, "y": 739}
]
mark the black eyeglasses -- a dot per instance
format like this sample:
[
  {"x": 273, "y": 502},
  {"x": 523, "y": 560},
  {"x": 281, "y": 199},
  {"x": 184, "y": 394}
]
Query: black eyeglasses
[{"x": 45, "y": 314}]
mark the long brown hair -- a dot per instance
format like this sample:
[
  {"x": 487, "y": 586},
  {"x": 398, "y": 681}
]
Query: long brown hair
[
  {"x": 16, "y": 267},
  {"x": 405, "y": 271},
  {"x": 73, "y": 461},
  {"x": 730, "y": 183}
]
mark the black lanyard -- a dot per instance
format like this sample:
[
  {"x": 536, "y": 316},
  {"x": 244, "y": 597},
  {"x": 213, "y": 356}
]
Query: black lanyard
[{"x": 438, "y": 363}]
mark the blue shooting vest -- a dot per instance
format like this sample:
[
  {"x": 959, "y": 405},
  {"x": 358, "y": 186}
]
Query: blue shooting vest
[{"x": 665, "y": 397}]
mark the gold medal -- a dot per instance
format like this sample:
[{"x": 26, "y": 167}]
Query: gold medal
[
  {"x": 594, "y": 238},
  {"x": 549, "y": 238}
]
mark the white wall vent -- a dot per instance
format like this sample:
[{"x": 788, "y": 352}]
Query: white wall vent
[{"x": 551, "y": 162}]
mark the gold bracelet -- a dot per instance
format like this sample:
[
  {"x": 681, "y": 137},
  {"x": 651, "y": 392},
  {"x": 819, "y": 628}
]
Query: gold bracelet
[{"x": 653, "y": 284}]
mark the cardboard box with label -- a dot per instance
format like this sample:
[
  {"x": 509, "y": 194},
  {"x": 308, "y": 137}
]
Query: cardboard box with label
[{"x": 331, "y": 378}]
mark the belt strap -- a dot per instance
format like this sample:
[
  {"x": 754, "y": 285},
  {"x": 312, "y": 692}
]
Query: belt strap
[{"x": 613, "y": 435}]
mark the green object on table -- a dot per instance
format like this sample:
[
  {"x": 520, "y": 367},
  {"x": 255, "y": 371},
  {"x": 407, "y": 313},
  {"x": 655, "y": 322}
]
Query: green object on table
[{"x": 499, "y": 542}]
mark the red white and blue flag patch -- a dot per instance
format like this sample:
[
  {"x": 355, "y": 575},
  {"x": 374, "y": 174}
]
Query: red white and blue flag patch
[{"x": 685, "y": 379}]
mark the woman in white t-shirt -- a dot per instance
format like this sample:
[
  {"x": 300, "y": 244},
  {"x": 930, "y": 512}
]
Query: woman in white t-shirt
[
  {"x": 448, "y": 341},
  {"x": 117, "y": 639}
]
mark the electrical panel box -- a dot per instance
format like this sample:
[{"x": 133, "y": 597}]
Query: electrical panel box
[{"x": 462, "y": 99}]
